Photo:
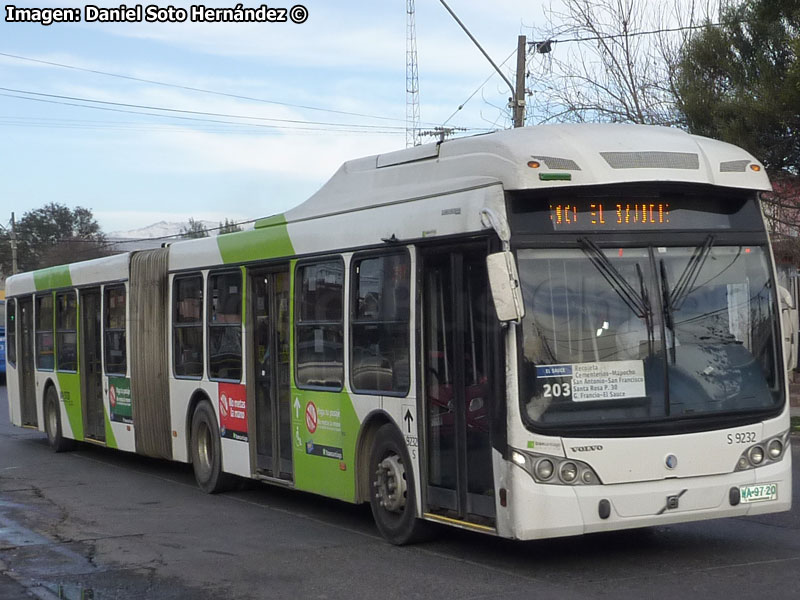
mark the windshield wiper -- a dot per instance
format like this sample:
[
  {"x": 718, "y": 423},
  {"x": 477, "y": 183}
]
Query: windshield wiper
[
  {"x": 639, "y": 304},
  {"x": 685, "y": 283},
  {"x": 669, "y": 318},
  {"x": 674, "y": 298}
]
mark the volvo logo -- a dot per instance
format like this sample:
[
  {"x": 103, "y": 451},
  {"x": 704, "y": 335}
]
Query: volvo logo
[
  {"x": 586, "y": 448},
  {"x": 671, "y": 461}
]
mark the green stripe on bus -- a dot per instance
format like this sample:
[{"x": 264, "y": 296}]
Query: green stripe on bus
[
  {"x": 70, "y": 386},
  {"x": 268, "y": 241},
  {"x": 325, "y": 458},
  {"x": 111, "y": 440},
  {"x": 52, "y": 277}
]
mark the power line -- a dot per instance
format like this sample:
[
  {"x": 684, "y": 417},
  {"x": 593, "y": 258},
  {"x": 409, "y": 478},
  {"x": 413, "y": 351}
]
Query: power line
[
  {"x": 197, "y": 119},
  {"x": 612, "y": 36},
  {"x": 213, "y": 126},
  {"x": 479, "y": 88},
  {"x": 195, "y": 89},
  {"x": 196, "y": 112},
  {"x": 117, "y": 242}
]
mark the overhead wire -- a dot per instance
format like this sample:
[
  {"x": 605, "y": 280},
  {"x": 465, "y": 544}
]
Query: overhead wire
[
  {"x": 196, "y": 119},
  {"x": 196, "y": 89},
  {"x": 587, "y": 39},
  {"x": 479, "y": 88},
  {"x": 196, "y": 112},
  {"x": 120, "y": 241},
  {"x": 612, "y": 36}
]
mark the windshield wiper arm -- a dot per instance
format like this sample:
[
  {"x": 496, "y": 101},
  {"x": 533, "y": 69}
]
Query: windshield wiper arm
[
  {"x": 639, "y": 304},
  {"x": 669, "y": 319},
  {"x": 648, "y": 316},
  {"x": 685, "y": 284}
]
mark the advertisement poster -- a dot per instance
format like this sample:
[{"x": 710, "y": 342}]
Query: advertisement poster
[
  {"x": 119, "y": 399},
  {"x": 233, "y": 411}
]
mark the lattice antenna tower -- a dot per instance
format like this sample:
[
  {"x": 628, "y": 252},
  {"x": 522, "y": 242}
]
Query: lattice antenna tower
[{"x": 412, "y": 78}]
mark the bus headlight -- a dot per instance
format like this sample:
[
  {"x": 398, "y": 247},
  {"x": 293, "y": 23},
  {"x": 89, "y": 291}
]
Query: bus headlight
[
  {"x": 554, "y": 470},
  {"x": 568, "y": 471},
  {"x": 775, "y": 449},
  {"x": 757, "y": 456},
  {"x": 544, "y": 469}
]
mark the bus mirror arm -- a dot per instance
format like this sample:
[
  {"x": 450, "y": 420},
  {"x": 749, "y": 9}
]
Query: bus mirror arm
[
  {"x": 490, "y": 219},
  {"x": 505, "y": 286}
]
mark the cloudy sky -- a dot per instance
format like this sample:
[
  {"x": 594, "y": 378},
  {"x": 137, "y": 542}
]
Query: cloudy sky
[{"x": 134, "y": 169}]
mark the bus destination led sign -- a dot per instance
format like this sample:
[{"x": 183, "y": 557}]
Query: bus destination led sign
[{"x": 609, "y": 215}]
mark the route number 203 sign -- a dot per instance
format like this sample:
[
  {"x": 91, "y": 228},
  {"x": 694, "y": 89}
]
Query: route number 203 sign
[{"x": 585, "y": 382}]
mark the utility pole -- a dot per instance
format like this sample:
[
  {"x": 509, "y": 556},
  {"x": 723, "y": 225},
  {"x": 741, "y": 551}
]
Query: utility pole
[
  {"x": 14, "y": 268},
  {"x": 517, "y": 99},
  {"x": 519, "y": 91}
]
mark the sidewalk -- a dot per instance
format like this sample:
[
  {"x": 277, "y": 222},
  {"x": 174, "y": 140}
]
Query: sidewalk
[{"x": 15, "y": 588}]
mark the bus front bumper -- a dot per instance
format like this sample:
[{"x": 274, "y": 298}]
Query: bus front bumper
[{"x": 542, "y": 511}]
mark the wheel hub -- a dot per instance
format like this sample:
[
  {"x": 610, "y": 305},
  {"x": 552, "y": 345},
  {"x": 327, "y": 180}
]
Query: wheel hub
[{"x": 390, "y": 483}]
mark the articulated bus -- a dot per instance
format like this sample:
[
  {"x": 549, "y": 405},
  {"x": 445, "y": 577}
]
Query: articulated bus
[{"x": 540, "y": 332}]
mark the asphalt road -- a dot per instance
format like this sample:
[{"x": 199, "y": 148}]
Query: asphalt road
[{"x": 125, "y": 527}]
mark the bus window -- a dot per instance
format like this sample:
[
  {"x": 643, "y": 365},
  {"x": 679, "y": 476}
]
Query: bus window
[
  {"x": 114, "y": 332},
  {"x": 380, "y": 349},
  {"x": 225, "y": 326},
  {"x": 320, "y": 330},
  {"x": 67, "y": 331},
  {"x": 44, "y": 332},
  {"x": 187, "y": 326},
  {"x": 11, "y": 332}
]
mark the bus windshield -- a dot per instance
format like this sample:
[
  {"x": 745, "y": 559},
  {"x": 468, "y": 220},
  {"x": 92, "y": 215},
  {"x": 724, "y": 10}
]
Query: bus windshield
[{"x": 648, "y": 333}]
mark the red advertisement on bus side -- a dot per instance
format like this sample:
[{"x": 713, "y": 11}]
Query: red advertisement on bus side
[{"x": 233, "y": 411}]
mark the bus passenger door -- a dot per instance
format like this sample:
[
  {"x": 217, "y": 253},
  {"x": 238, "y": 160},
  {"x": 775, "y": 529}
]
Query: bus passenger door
[
  {"x": 26, "y": 378},
  {"x": 92, "y": 366},
  {"x": 270, "y": 350},
  {"x": 457, "y": 385}
]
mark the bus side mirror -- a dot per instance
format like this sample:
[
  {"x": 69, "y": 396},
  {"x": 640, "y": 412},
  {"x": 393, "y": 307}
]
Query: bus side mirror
[
  {"x": 788, "y": 326},
  {"x": 504, "y": 283}
]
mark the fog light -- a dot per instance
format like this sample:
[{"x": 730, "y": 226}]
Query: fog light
[
  {"x": 518, "y": 458},
  {"x": 544, "y": 469},
  {"x": 756, "y": 455},
  {"x": 742, "y": 464},
  {"x": 775, "y": 449},
  {"x": 587, "y": 477},
  {"x": 568, "y": 472}
]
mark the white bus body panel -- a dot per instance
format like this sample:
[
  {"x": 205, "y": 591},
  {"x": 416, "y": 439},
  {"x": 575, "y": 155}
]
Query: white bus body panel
[{"x": 540, "y": 511}]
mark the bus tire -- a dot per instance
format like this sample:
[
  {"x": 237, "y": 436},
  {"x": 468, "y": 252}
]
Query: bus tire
[
  {"x": 392, "y": 494},
  {"x": 52, "y": 423},
  {"x": 207, "y": 451}
]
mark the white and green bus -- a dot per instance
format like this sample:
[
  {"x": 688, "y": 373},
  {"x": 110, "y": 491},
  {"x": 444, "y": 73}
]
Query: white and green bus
[{"x": 540, "y": 332}]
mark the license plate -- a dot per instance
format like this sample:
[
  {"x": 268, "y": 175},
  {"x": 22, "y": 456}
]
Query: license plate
[{"x": 758, "y": 493}]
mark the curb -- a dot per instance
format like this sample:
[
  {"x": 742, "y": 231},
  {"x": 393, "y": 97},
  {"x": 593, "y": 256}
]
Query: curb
[{"x": 31, "y": 587}]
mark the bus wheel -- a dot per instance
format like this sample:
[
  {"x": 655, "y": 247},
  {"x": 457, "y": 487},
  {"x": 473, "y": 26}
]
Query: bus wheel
[
  {"x": 207, "y": 451},
  {"x": 52, "y": 423},
  {"x": 392, "y": 494}
]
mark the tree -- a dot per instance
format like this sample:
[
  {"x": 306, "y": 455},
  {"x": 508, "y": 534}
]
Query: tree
[
  {"x": 609, "y": 69},
  {"x": 740, "y": 82},
  {"x": 53, "y": 235},
  {"x": 228, "y": 227},
  {"x": 193, "y": 229}
]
